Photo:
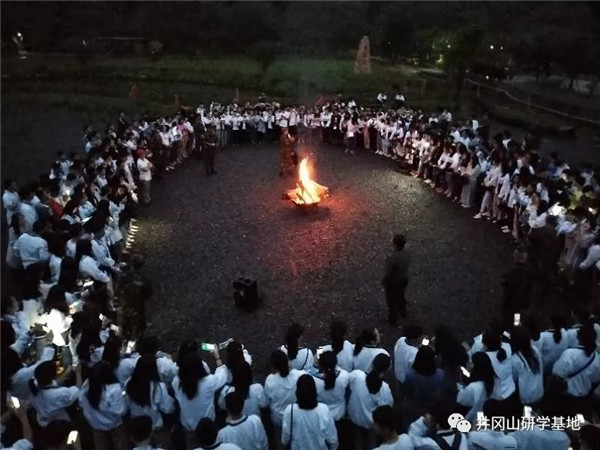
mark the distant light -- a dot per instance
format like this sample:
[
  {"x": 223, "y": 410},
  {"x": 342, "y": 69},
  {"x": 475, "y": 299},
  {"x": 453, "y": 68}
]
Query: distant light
[
  {"x": 501, "y": 48},
  {"x": 491, "y": 47},
  {"x": 19, "y": 35},
  {"x": 487, "y": 77},
  {"x": 448, "y": 46}
]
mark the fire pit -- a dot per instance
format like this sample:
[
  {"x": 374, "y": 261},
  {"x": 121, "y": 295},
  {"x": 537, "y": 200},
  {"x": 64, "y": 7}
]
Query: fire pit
[{"x": 308, "y": 192}]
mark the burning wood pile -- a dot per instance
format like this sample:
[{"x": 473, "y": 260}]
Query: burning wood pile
[{"x": 307, "y": 192}]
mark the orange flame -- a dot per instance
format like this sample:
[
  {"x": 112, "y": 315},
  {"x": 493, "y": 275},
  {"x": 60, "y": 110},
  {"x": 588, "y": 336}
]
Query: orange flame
[{"x": 307, "y": 190}]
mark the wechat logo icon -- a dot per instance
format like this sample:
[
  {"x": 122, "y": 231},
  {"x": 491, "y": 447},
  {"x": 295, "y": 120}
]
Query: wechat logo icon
[{"x": 458, "y": 422}]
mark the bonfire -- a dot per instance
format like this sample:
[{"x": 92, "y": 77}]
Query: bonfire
[{"x": 307, "y": 192}]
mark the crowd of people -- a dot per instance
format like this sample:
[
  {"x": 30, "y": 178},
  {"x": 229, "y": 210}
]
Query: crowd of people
[{"x": 79, "y": 369}]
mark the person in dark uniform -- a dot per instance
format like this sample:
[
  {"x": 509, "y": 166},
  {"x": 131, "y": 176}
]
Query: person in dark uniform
[
  {"x": 208, "y": 150},
  {"x": 286, "y": 148},
  {"x": 517, "y": 284},
  {"x": 395, "y": 280}
]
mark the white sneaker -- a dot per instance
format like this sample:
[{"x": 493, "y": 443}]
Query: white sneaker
[{"x": 477, "y": 216}]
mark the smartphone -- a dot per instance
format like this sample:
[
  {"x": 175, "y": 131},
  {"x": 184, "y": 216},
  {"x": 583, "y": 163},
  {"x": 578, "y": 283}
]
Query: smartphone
[
  {"x": 425, "y": 341},
  {"x": 319, "y": 351},
  {"x": 72, "y": 437},
  {"x": 115, "y": 328},
  {"x": 223, "y": 345},
  {"x": 527, "y": 411},
  {"x": 465, "y": 372},
  {"x": 517, "y": 319},
  {"x": 15, "y": 402},
  {"x": 88, "y": 283},
  {"x": 207, "y": 347}
]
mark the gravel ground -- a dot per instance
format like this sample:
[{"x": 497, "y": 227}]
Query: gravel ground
[{"x": 200, "y": 233}]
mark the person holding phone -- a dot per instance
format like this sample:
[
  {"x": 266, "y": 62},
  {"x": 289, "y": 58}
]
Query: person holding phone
[
  {"x": 253, "y": 394},
  {"x": 528, "y": 369},
  {"x": 405, "y": 351},
  {"x": 195, "y": 390},
  {"x": 477, "y": 387},
  {"x": 104, "y": 407}
]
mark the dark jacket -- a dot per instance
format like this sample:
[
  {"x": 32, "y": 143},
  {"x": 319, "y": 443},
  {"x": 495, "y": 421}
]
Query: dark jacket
[{"x": 396, "y": 269}]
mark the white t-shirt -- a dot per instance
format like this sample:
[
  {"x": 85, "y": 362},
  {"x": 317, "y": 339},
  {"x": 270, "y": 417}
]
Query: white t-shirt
[
  {"x": 334, "y": 398},
  {"x": 345, "y": 358},
  {"x": 362, "y": 403},
  {"x": 144, "y": 166}
]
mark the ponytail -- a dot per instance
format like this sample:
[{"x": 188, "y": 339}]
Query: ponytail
[
  {"x": 33, "y": 387},
  {"x": 279, "y": 361},
  {"x": 291, "y": 340},
  {"x": 557, "y": 335},
  {"x": 367, "y": 336},
  {"x": 358, "y": 346},
  {"x": 328, "y": 363},
  {"x": 501, "y": 354},
  {"x": 337, "y": 332},
  {"x": 374, "y": 382}
]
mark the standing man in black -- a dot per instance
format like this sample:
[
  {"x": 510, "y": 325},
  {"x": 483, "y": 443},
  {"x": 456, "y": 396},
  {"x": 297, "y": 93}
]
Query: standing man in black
[
  {"x": 208, "y": 150},
  {"x": 395, "y": 280}
]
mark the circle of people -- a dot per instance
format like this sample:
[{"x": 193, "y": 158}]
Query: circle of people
[{"x": 63, "y": 354}]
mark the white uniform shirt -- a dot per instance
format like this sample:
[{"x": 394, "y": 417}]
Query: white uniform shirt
[
  {"x": 255, "y": 401},
  {"x": 362, "y": 403},
  {"x": 11, "y": 202},
  {"x": 303, "y": 360},
  {"x": 572, "y": 339},
  {"x": 281, "y": 392},
  {"x": 101, "y": 253},
  {"x": 203, "y": 403},
  {"x": 404, "y": 357},
  {"x": 54, "y": 266},
  {"x": 247, "y": 433},
  {"x": 364, "y": 360},
  {"x": 111, "y": 408},
  {"x": 530, "y": 384},
  {"x": 492, "y": 440},
  {"x": 473, "y": 395},
  {"x": 144, "y": 168},
  {"x": 542, "y": 439},
  {"x": 569, "y": 367},
  {"x": 30, "y": 215},
  {"x": 504, "y": 384},
  {"x": 19, "y": 386},
  {"x": 160, "y": 401},
  {"x": 404, "y": 442},
  {"x": 167, "y": 369},
  {"x": 552, "y": 350},
  {"x": 50, "y": 403},
  {"x": 345, "y": 358},
  {"x": 312, "y": 429},
  {"x": 31, "y": 249},
  {"x": 334, "y": 398},
  {"x": 88, "y": 267}
]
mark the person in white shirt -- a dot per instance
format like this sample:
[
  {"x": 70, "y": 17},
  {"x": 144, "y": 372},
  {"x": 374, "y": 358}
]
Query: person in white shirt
[
  {"x": 528, "y": 369},
  {"x": 10, "y": 199},
  {"x": 15, "y": 229},
  {"x": 342, "y": 348},
  {"x": 554, "y": 341},
  {"x": 56, "y": 317},
  {"x": 405, "y": 351},
  {"x": 48, "y": 397},
  {"x": 100, "y": 248},
  {"x": 385, "y": 423},
  {"x": 103, "y": 405},
  {"x": 367, "y": 392},
  {"x": 332, "y": 382},
  {"x": 494, "y": 439},
  {"x": 30, "y": 248},
  {"x": 299, "y": 358},
  {"x": 580, "y": 367},
  {"x": 490, "y": 181},
  {"x": 253, "y": 394},
  {"x": 88, "y": 267},
  {"x": 145, "y": 169},
  {"x": 366, "y": 349},
  {"x": 479, "y": 387},
  {"x": 433, "y": 432},
  {"x": 308, "y": 424},
  {"x": 504, "y": 385},
  {"x": 280, "y": 387},
  {"x": 245, "y": 431},
  {"x": 195, "y": 391},
  {"x": 146, "y": 395}
]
